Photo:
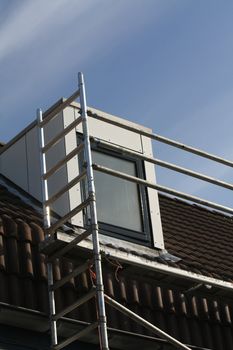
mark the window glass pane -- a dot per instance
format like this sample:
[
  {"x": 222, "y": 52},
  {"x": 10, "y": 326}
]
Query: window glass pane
[{"x": 117, "y": 199}]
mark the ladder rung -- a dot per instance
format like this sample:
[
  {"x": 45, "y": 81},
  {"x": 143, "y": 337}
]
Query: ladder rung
[
  {"x": 60, "y": 108},
  {"x": 61, "y": 134},
  {"x": 74, "y": 273},
  {"x": 76, "y": 336},
  {"x": 70, "y": 245},
  {"x": 61, "y": 162},
  {"x": 73, "y": 306},
  {"x": 66, "y": 188},
  {"x": 50, "y": 230}
]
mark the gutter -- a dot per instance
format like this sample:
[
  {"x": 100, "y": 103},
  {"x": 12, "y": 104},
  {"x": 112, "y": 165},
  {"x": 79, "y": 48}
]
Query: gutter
[
  {"x": 165, "y": 269},
  {"x": 33, "y": 320},
  {"x": 141, "y": 261}
]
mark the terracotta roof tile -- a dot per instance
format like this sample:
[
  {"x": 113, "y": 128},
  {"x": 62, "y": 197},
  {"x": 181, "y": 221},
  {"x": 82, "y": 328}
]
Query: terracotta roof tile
[
  {"x": 23, "y": 276},
  {"x": 201, "y": 238}
]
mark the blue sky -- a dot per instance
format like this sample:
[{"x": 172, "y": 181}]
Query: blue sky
[{"x": 167, "y": 64}]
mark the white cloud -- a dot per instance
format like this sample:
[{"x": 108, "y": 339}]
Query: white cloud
[
  {"x": 40, "y": 19},
  {"x": 33, "y": 19},
  {"x": 44, "y": 41}
]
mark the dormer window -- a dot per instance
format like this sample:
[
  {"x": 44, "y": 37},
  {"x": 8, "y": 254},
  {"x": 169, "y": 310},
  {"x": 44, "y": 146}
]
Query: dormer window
[{"x": 121, "y": 205}]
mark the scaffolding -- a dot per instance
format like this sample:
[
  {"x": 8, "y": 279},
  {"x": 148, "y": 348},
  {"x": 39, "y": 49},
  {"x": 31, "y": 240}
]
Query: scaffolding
[{"x": 91, "y": 229}]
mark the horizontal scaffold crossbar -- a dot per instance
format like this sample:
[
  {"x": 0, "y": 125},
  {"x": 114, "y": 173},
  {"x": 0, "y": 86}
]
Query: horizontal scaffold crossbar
[
  {"x": 162, "y": 188},
  {"x": 163, "y": 139},
  {"x": 164, "y": 164}
]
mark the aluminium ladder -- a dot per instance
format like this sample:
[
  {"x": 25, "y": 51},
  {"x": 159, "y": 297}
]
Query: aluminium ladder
[
  {"x": 92, "y": 229},
  {"x": 50, "y": 229}
]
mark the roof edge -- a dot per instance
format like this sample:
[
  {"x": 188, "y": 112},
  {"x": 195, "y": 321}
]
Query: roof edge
[
  {"x": 146, "y": 263},
  {"x": 169, "y": 270}
]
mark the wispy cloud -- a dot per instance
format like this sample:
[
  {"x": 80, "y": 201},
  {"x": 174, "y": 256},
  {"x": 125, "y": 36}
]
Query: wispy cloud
[
  {"x": 44, "y": 42},
  {"x": 31, "y": 21}
]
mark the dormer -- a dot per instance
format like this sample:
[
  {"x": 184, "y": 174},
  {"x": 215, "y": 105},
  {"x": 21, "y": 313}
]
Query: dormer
[{"x": 128, "y": 213}]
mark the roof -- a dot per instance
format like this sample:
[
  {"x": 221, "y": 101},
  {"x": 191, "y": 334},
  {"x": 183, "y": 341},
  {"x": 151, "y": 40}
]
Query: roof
[{"x": 201, "y": 238}]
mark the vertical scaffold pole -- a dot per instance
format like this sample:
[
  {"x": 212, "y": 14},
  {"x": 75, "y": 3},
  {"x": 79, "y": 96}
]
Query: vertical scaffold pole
[
  {"x": 47, "y": 223},
  {"x": 94, "y": 223}
]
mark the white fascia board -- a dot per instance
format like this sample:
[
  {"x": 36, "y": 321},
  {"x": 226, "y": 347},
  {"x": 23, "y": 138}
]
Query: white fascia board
[{"x": 169, "y": 270}]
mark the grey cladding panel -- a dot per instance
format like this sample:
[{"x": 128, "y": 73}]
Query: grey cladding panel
[
  {"x": 114, "y": 134},
  {"x": 33, "y": 158},
  {"x": 14, "y": 163},
  {"x": 56, "y": 153},
  {"x": 72, "y": 166}
]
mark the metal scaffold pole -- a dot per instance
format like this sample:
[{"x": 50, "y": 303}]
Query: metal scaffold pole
[
  {"x": 89, "y": 229},
  {"x": 47, "y": 224},
  {"x": 93, "y": 217}
]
